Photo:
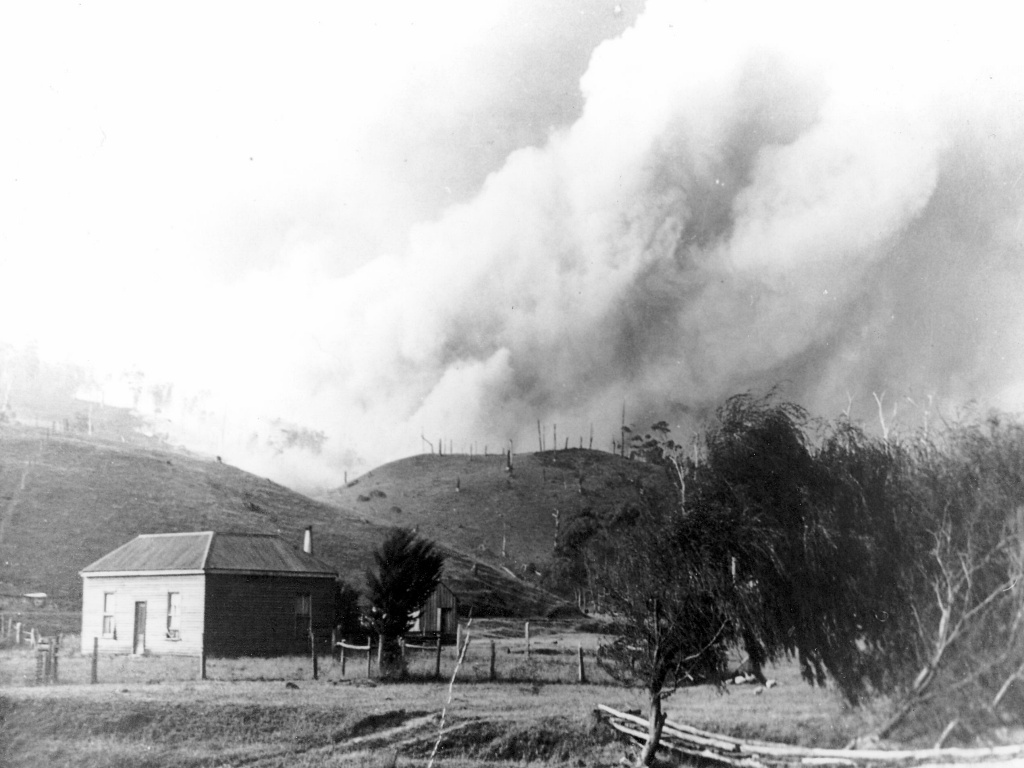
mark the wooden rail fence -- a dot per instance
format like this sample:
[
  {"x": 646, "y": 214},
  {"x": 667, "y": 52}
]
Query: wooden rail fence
[
  {"x": 15, "y": 632},
  {"x": 574, "y": 658},
  {"x": 693, "y": 742},
  {"x": 342, "y": 648}
]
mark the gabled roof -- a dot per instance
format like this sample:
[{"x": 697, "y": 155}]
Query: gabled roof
[{"x": 209, "y": 552}]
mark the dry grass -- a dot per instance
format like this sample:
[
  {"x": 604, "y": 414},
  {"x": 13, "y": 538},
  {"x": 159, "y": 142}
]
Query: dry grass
[
  {"x": 470, "y": 502},
  {"x": 288, "y": 719}
]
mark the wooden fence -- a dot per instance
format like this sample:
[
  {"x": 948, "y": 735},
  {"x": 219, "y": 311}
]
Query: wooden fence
[
  {"x": 691, "y": 742},
  {"x": 486, "y": 659},
  {"x": 14, "y": 632},
  {"x": 47, "y": 657},
  {"x": 494, "y": 654}
]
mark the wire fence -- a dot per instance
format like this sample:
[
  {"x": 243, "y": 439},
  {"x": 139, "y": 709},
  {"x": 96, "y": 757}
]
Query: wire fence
[{"x": 526, "y": 659}]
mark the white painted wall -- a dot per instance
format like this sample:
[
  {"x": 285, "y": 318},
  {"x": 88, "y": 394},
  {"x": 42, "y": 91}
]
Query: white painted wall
[{"x": 152, "y": 590}]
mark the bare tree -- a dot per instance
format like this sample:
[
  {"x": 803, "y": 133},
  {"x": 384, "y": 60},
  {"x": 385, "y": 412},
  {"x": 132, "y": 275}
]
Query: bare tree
[{"x": 673, "y": 605}]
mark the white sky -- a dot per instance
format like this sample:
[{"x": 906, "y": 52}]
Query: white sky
[{"x": 153, "y": 156}]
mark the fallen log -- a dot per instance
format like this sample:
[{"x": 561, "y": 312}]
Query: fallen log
[
  {"x": 680, "y": 737},
  {"x": 671, "y": 745},
  {"x": 712, "y": 741}
]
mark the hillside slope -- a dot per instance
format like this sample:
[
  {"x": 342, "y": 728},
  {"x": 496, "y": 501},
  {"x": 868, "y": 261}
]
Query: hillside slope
[
  {"x": 66, "y": 501},
  {"x": 475, "y": 504}
]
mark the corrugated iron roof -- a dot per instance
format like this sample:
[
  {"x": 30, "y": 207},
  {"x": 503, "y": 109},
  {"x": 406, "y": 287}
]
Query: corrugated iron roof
[
  {"x": 260, "y": 552},
  {"x": 157, "y": 552},
  {"x": 209, "y": 551}
]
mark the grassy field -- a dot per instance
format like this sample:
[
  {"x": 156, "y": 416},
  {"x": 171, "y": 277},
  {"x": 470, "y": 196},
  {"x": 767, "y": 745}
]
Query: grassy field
[
  {"x": 331, "y": 722},
  {"x": 472, "y": 502},
  {"x": 154, "y": 711}
]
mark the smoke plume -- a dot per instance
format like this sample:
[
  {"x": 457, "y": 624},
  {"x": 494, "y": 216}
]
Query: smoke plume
[{"x": 832, "y": 206}]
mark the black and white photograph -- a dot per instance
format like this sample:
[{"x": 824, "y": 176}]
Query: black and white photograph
[{"x": 494, "y": 383}]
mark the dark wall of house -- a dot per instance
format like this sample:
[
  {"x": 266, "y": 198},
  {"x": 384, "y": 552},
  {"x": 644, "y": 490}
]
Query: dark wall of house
[{"x": 255, "y": 615}]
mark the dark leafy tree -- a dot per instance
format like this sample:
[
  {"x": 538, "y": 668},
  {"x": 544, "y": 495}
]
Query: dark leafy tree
[
  {"x": 818, "y": 566},
  {"x": 407, "y": 570},
  {"x": 567, "y": 573},
  {"x": 347, "y": 615},
  {"x": 764, "y": 545}
]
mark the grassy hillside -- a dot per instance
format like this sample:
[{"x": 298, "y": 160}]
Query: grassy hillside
[
  {"x": 472, "y": 503},
  {"x": 66, "y": 501}
]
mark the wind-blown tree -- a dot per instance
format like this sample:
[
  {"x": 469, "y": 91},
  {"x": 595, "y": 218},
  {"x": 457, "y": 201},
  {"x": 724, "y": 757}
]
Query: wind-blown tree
[
  {"x": 943, "y": 629},
  {"x": 407, "y": 570},
  {"x": 821, "y": 571},
  {"x": 966, "y": 625},
  {"x": 765, "y": 546},
  {"x": 891, "y": 565},
  {"x": 664, "y": 574}
]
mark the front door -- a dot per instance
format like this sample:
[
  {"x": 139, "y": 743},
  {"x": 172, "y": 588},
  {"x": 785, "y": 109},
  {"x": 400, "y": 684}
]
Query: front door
[{"x": 139, "y": 644}]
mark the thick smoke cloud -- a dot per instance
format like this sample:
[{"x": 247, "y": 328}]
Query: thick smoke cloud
[
  {"x": 832, "y": 206},
  {"x": 733, "y": 210}
]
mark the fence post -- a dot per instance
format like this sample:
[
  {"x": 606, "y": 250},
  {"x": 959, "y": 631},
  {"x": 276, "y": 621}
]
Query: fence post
[
  {"x": 42, "y": 666},
  {"x": 202, "y": 656},
  {"x": 95, "y": 660},
  {"x": 369, "y": 655},
  {"x": 583, "y": 672},
  {"x": 491, "y": 675},
  {"x": 342, "y": 654},
  {"x": 17, "y": 633},
  {"x": 334, "y": 642},
  {"x": 56, "y": 656},
  {"x": 312, "y": 651},
  {"x": 526, "y": 631},
  {"x": 458, "y": 638},
  {"x": 437, "y": 659}
]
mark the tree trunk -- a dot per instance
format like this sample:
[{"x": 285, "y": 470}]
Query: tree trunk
[
  {"x": 392, "y": 663},
  {"x": 756, "y": 656},
  {"x": 654, "y": 725}
]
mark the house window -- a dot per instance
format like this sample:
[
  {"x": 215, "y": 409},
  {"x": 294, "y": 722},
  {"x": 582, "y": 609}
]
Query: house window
[
  {"x": 417, "y": 625},
  {"x": 174, "y": 615},
  {"x": 109, "y": 604},
  {"x": 303, "y": 614}
]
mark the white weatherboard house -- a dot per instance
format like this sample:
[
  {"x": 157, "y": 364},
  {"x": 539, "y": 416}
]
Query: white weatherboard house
[{"x": 241, "y": 594}]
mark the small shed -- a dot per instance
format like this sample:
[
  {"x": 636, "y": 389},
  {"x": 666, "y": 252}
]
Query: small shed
[
  {"x": 236, "y": 594},
  {"x": 438, "y": 616}
]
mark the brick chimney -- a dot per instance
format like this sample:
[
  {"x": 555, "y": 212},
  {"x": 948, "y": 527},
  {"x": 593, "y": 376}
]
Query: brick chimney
[{"x": 307, "y": 540}]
